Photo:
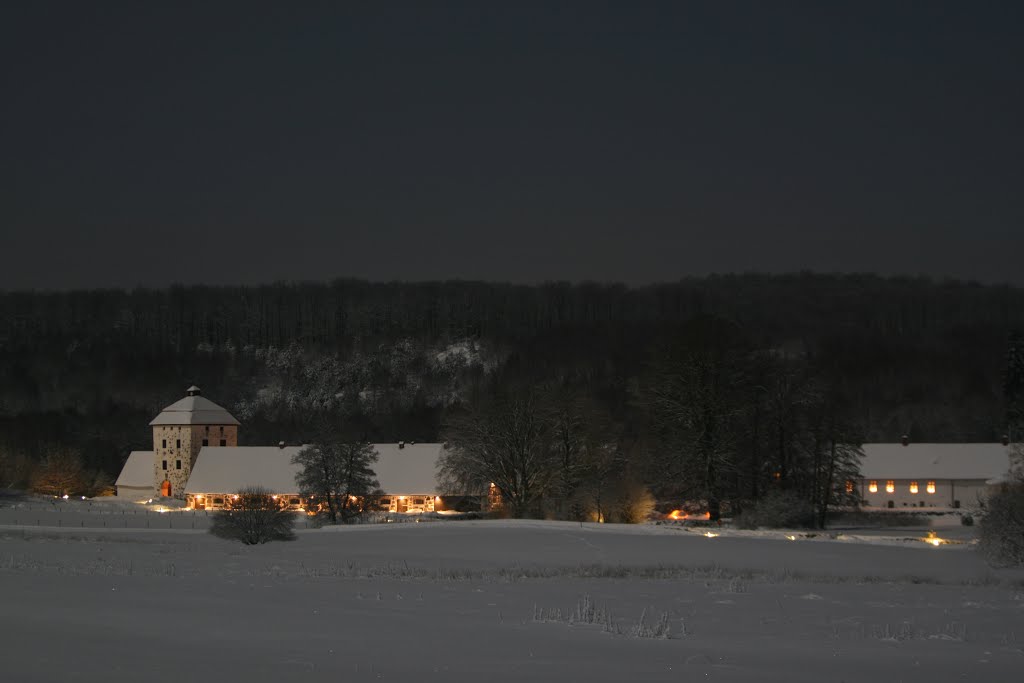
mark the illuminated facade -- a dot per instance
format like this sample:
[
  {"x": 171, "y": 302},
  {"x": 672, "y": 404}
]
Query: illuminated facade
[{"x": 902, "y": 475}]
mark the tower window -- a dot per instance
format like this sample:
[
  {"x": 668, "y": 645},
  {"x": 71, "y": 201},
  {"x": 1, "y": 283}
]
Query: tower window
[
  {"x": 165, "y": 464},
  {"x": 164, "y": 445},
  {"x": 206, "y": 442},
  {"x": 177, "y": 464},
  {"x": 179, "y": 443},
  {"x": 223, "y": 442}
]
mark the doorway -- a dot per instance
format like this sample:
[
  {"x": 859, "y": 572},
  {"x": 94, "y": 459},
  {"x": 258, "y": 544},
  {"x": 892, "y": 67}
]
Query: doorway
[{"x": 165, "y": 489}]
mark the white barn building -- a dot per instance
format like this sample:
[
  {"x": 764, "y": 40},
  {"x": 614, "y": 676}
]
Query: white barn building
[{"x": 935, "y": 475}]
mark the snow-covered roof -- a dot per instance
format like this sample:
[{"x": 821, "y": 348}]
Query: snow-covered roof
[
  {"x": 227, "y": 469},
  {"x": 935, "y": 460},
  {"x": 194, "y": 410},
  {"x": 137, "y": 470},
  {"x": 407, "y": 470},
  {"x": 412, "y": 469}
]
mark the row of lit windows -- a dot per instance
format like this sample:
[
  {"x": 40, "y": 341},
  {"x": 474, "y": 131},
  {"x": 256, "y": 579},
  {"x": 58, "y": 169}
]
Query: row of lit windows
[{"x": 890, "y": 486}]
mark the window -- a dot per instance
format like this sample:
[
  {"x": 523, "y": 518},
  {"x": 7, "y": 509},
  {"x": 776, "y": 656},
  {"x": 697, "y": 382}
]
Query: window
[
  {"x": 164, "y": 445},
  {"x": 293, "y": 501},
  {"x": 206, "y": 442},
  {"x": 179, "y": 443},
  {"x": 207, "y": 429},
  {"x": 222, "y": 431},
  {"x": 218, "y": 501},
  {"x": 177, "y": 464},
  {"x": 930, "y": 487},
  {"x": 913, "y": 487},
  {"x": 223, "y": 442},
  {"x": 873, "y": 486},
  {"x": 890, "y": 486},
  {"x": 165, "y": 464},
  {"x": 849, "y": 486},
  {"x": 417, "y": 501}
]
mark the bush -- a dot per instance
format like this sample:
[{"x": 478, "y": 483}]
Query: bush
[
  {"x": 967, "y": 520},
  {"x": 254, "y": 518},
  {"x": 1002, "y": 527},
  {"x": 777, "y": 509}
]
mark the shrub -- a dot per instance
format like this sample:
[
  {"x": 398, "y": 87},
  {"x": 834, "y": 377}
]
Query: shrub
[
  {"x": 632, "y": 503},
  {"x": 1002, "y": 527},
  {"x": 777, "y": 509},
  {"x": 967, "y": 520},
  {"x": 254, "y": 518}
]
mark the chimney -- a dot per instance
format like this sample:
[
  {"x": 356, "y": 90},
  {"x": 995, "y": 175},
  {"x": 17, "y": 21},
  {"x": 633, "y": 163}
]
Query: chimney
[
  {"x": 1006, "y": 439},
  {"x": 905, "y": 440},
  {"x": 401, "y": 444},
  {"x": 280, "y": 444}
]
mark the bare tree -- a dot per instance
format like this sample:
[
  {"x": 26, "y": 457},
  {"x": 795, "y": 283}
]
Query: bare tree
[
  {"x": 337, "y": 476},
  {"x": 504, "y": 440},
  {"x": 255, "y": 517},
  {"x": 60, "y": 474}
]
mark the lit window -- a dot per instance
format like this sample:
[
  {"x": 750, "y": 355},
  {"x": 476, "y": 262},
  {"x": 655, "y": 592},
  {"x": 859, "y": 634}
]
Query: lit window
[
  {"x": 873, "y": 486},
  {"x": 849, "y": 486},
  {"x": 890, "y": 486},
  {"x": 931, "y": 487},
  {"x": 913, "y": 487}
]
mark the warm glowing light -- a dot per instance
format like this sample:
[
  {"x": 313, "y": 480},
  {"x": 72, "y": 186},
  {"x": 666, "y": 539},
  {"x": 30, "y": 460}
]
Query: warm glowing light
[
  {"x": 890, "y": 486},
  {"x": 791, "y": 537},
  {"x": 403, "y": 497},
  {"x": 873, "y": 486},
  {"x": 913, "y": 487},
  {"x": 680, "y": 515},
  {"x": 352, "y": 499},
  {"x": 930, "y": 487},
  {"x": 274, "y": 497},
  {"x": 234, "y": 497},
  {"x": 65, "y": 496},
  {"x": 849, "y": 486},
  {"x": 711, "y": 534},
  {"x": 934, "y": 540}
]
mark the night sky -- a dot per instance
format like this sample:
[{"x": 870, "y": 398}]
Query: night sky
[{"x": 147, "y": 143}]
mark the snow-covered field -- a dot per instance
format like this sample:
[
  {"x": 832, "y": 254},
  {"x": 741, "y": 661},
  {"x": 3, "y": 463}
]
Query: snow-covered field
[{"x": 491, "y": 600}]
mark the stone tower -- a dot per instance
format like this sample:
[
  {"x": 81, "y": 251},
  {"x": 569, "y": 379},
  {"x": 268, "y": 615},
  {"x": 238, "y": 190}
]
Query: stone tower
[{"x": 179, "y": 432}]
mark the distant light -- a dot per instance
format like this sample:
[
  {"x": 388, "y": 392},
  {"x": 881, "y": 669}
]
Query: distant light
[
  {"x": 791, "y": 537},
  {"x": 65, "y": 496},
  {"x": 711, "y": 534}
]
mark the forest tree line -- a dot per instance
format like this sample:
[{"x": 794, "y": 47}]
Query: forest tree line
[{"x": 782, "y": 366}]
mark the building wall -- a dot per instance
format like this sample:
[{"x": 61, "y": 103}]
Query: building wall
[
  {"x": 176, "y": 447},
  {"x": 948, "y": 493}
]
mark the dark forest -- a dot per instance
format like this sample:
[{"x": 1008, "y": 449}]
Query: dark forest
[{"x": 86, "y": 370}]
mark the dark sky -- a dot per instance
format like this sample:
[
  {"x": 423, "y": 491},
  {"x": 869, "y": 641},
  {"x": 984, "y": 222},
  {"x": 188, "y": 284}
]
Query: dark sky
[{"x": 159, "y": 142}]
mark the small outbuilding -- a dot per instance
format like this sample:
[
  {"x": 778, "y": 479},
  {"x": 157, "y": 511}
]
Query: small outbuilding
[{"x": 136, "y": 478}]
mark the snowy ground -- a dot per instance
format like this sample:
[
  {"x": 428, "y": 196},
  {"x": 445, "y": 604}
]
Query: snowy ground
[{"x": 486, "y": 600}]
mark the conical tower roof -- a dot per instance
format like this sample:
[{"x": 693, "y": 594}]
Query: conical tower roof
[{"x": 194, "y": 410}]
